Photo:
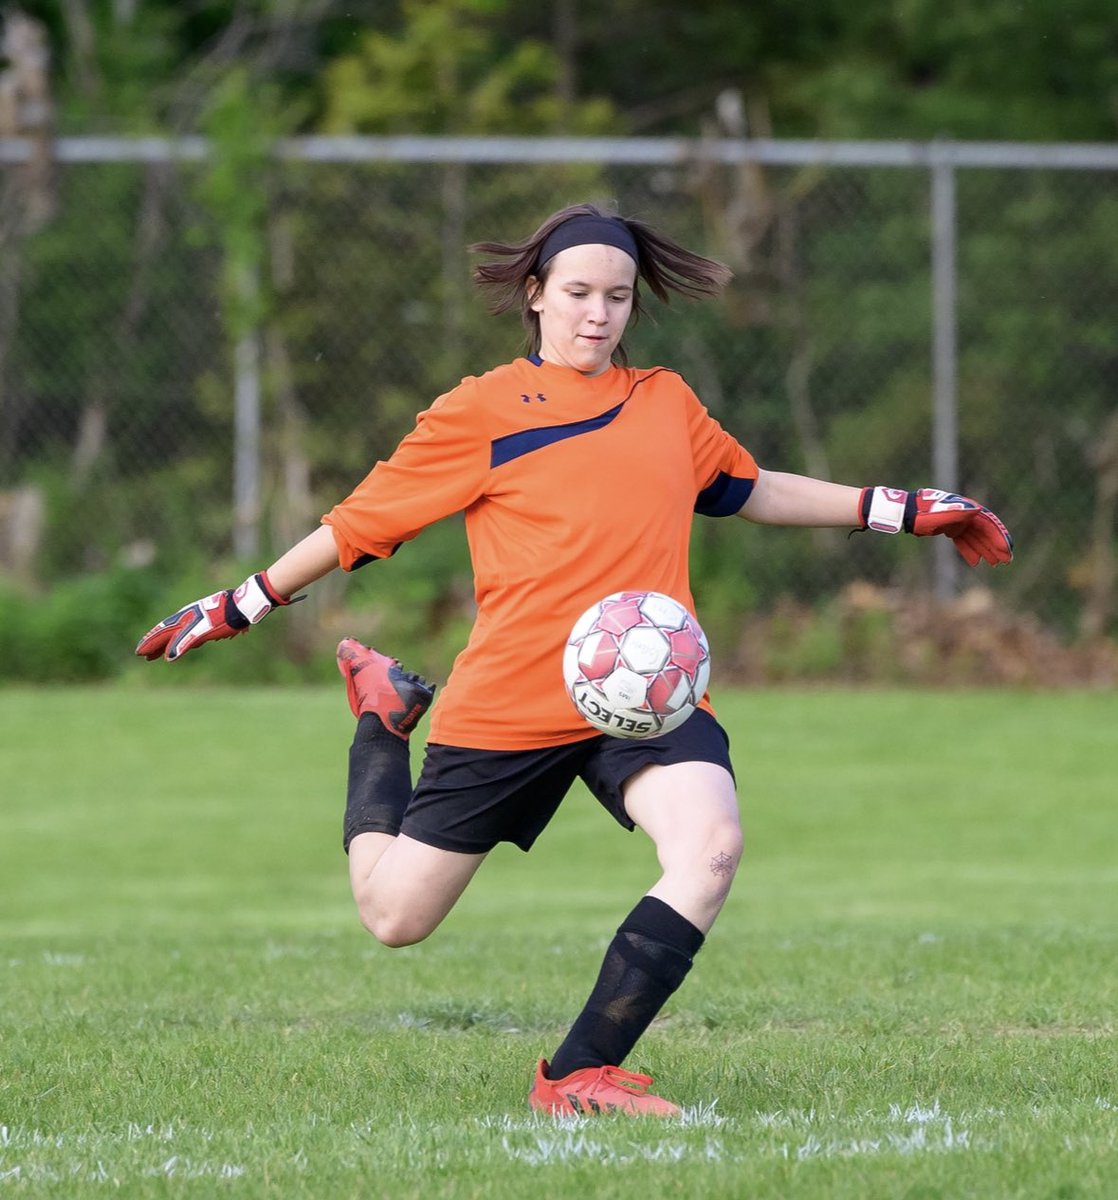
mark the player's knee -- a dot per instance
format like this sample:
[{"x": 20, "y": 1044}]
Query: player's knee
[
  {"x": 721, "y": 840},
  {"x": 393, "y": 929},
  {"x": 710, "y": 859},
  {"x": 729, "y": 843},
  {"x": 719, "y": 866}
]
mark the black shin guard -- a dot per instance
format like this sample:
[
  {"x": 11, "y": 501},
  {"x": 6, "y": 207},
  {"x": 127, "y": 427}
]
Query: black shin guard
[
  {"x": 379, "y": 783},
  {"x": 647, "y": 960}
]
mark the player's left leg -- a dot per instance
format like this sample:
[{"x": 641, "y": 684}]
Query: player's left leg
[
  {"x": 402, "y": 887},
  {"x": 388, "y": 702},
  {"x": 690, "y": 811},
  {"x": 413, "y": 852}
]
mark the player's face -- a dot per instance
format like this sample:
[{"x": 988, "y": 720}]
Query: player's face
[{"x": 584, "y": 306}]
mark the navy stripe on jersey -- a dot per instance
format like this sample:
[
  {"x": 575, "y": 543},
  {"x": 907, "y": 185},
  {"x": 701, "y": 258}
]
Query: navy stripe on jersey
[
  {"x": 724, "y": 497},
  {"x": 513, "y": 445},
  {"x": 504, "y": 449},
  {"x": 363, "y": 560}
]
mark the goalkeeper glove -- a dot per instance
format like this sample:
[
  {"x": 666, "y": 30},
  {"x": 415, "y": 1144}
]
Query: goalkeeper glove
[
  {"x": 975, "y": 530},
  {"x": 222, "y": 615}
]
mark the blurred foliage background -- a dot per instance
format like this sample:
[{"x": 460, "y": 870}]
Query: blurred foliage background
[{"x": 136, "y": 298}]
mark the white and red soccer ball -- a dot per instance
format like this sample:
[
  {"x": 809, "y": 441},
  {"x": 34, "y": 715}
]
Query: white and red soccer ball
[{"x": 636, "y": 664}]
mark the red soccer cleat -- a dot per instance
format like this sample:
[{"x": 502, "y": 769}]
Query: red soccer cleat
[
  {"x": 378, "y": 684},
  {"x": 598, "y": 1090}
]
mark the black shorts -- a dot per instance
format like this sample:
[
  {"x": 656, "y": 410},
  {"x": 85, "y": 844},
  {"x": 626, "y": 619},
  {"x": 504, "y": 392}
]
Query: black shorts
[{"x": 469, "y": 800}]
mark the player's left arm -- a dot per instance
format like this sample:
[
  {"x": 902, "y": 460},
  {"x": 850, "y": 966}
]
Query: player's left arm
[{"x": 779, "y": 498}]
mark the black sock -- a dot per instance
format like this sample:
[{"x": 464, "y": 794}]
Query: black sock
[
  {"x": 379, "y": 783},
  {"x": 647, "y": 960}
]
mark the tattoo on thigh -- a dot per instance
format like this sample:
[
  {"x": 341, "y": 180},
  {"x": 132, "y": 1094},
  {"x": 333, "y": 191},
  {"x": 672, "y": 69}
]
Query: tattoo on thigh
[{"x": 721, "y": 864}]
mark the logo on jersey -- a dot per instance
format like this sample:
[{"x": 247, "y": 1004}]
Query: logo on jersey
[{"x": 526, "y": 399}]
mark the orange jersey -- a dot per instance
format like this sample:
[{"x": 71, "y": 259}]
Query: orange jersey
[{"x": 573, "y": 487}]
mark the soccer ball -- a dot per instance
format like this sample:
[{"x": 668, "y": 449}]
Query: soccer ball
[{"x": 636, "y": 664}]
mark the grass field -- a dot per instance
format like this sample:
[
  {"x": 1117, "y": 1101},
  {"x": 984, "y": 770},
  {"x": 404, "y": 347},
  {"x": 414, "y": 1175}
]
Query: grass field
[{"x": 911, "y": 993}]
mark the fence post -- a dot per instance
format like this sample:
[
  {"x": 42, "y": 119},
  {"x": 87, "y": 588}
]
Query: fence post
[
  {"x": 945, "y": 424},
  {"x": 246, "y": 430}
]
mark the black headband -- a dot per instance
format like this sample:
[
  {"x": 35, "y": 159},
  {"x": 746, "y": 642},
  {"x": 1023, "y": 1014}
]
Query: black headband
[{"x": 588, "y": 230}]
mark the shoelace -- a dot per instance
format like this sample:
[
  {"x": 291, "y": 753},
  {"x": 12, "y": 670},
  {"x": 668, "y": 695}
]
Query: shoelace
[{"x": 626, "y": 1079}]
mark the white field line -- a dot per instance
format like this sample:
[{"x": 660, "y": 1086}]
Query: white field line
[
  {"x": 694, "y": 1116},
  {"x": 83, "y": 1156},
  {"x": 173, "y": 1168},
  {"x": 700, "y": 1135},
  {"x": 49, "y": 958},
  {"x": 916, "y": 1129}
]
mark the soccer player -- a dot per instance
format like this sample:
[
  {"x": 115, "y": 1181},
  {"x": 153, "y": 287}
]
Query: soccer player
[{"x": 578, "y": 476}]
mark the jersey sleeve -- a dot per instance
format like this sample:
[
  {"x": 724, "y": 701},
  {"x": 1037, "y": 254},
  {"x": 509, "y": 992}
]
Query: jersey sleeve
[
  {"x": 725, "y": 471},
  {"x": 438, "y": 469}
]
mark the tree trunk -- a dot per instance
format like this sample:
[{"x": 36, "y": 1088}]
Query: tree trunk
[
  {"x": 93, "y": 427},
  {"x": 455, "y": 295},
  {"x": 762, "y": 236},
  {"x": 1098, "y": 609},
  {"x": 27, "y": 200},
  {"x": 565, "y": 31}
]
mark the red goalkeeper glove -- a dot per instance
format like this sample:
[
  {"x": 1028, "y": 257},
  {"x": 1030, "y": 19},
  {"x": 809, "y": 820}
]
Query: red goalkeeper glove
[
  {"x": 977, "y": 533},
  {"x": 222, "y": 615}
]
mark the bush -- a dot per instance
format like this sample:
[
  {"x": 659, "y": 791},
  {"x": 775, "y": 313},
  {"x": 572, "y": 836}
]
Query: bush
[{"x": 78, "y": 631}]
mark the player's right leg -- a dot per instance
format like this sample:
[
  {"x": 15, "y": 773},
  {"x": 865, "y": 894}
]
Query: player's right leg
[
  {"x": 388, "y": 703},
  {"x": 402, "y": 888}
]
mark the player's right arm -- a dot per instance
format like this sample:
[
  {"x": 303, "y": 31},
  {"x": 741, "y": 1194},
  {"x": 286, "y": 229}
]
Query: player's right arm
[
  {"x": 438, "y": 469},
  {"x": 316, "y": 555},
  {"x": 227, "y": 613}
]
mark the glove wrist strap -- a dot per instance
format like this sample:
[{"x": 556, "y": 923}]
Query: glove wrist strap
[
  {"x": 255, "y": 598},
  {"x": 883, "y": 509}
]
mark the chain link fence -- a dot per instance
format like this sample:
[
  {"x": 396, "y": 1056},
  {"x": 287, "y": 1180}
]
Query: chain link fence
[{"x": 181, "y": 385}]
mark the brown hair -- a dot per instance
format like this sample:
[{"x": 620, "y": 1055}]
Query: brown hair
[{"x": 662, "y": 264}]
